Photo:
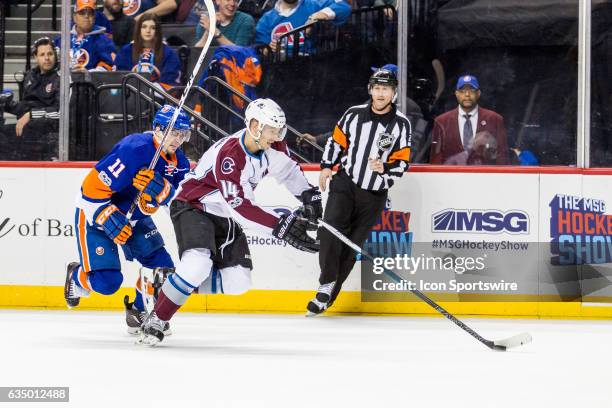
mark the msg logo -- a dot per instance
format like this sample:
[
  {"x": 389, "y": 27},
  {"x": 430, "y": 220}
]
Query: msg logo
[{"x": 480, "y": 221}]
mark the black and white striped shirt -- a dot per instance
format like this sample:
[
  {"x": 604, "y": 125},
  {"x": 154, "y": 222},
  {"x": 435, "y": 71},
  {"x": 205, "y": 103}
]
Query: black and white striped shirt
[{"x": 356, "y": 138}]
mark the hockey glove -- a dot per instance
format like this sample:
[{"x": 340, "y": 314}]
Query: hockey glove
[
  {"x": 312, "y": 208},
  {"x": 292, "y": 229},
  {"x": 153, "y": 186},
  {"x": 114, "y": 223}
]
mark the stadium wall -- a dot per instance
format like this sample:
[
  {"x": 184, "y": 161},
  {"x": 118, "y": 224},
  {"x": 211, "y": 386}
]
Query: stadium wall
[{"x": 37, "y": 240}]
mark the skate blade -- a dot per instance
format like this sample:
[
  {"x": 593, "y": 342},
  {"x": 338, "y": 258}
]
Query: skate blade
[
  {"x": 147, "y": 340},
  {"x": 138, "y": 331}
]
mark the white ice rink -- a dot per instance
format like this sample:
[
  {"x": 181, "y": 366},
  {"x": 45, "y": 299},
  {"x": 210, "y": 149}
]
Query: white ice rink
[{"x": 249, "y": 360}]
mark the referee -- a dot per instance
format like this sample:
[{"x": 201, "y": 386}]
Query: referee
[{"x": 371, "y": 143}]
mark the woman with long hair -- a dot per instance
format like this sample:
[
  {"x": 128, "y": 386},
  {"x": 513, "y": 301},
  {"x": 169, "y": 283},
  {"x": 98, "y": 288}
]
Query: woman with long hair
[{"x": 148, "y": 53}]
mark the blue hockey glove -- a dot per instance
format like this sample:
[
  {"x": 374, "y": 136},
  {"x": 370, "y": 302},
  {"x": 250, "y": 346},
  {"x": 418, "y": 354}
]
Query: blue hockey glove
[{"x": 114, "y": 223}]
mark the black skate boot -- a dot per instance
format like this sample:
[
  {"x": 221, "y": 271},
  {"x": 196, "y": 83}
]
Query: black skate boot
[
  {"x": 152, "y": 330},
  {"x": 322, "y": 300},
  {"x": 134, "y": 319},
  {"x": 72, "y": 292}
]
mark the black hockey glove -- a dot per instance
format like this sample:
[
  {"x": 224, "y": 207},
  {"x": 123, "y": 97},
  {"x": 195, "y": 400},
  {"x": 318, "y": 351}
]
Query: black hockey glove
[
  {"x": 312, "y": 208},
  {"x": 292, "y": 229}
]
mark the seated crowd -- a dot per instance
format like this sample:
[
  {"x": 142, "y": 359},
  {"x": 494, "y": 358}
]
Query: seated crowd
[{"x": 128, "y": 36}]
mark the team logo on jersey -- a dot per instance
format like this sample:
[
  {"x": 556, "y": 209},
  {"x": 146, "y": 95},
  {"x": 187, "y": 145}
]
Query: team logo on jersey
[
  {"x": 385, "y": 141},
  {"x": 147, "y": 67},
  {"x": 131, "y": 7},
  {"x": 285, "y": 28},
  {"x": 49, "y": 88},
  {"x": 146, "y": 64},
  {"x": 79, "y": 57},
  {"x": 100, "y": 250},
  {"x": 227, "y": 165},
  {"x": 103, "y": 177},
  {"x": 170, "y": 169}
]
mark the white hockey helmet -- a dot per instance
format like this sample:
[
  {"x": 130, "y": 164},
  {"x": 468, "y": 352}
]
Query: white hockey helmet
[{"x": 265, "y": 112}]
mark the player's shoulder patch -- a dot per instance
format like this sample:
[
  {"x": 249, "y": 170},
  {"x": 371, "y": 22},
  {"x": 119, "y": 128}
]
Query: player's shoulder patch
[{"x": 104, "y": 178}]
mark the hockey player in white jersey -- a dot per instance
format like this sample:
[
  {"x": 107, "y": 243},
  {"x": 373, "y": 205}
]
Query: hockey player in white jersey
[{"x": 216, "y": 201}]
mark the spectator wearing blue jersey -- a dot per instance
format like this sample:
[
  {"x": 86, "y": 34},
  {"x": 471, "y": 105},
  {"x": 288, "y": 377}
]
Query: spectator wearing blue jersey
[
  {"x": 148, "y": 53},
  {"x": 233, "y": 26},
  {"x": 290, "y": 14},
  {"x": 90, "y": 48}
]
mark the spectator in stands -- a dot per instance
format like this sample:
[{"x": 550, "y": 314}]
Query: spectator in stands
[
  {"x": 102, "y": 21},
  {"x": 453, "y": 131},
  {"x": 37, "y": 112},
  {"x": 122, "y": 25},
  {"x": 233, "y": 26},
  {"x": 290, "y": 14},
  {"x": 136, "y": 8},
  {"x": 148, "y": 53},
  {"x": 90, "y": 48}
]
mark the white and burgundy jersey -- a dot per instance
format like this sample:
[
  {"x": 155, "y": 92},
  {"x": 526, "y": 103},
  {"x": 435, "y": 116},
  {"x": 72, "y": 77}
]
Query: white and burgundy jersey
[{"x": 225, "y": 178}]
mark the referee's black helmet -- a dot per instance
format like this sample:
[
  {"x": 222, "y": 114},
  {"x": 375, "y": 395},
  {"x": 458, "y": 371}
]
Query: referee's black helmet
[{"x": 383, "y": 77}]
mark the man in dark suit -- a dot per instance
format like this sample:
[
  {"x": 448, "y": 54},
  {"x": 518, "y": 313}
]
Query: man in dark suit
[{"x": 454, "y": 131}]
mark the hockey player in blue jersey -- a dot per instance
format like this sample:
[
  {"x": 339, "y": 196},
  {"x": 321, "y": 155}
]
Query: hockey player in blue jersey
[
  {"x": 107, "y": 194},
  {"x": 290, "y": 14}
]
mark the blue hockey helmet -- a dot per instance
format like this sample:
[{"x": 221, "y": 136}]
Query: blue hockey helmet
[{"x": 164, "y": 116}]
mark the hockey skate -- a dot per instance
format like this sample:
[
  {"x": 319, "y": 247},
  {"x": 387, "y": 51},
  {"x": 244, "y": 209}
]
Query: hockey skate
[
  {"x": 72, "y": 292},
  {"x": 134, "y": 319},
  {"x": 322, "y": 300},
  {"x": 152, "y": 330}
]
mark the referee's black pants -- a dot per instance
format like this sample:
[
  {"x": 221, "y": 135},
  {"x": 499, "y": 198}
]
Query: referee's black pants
[{"x": 353, "y": 211}]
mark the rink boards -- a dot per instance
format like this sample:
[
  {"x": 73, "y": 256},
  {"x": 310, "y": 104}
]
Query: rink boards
[{"x": 430, "y": 207}]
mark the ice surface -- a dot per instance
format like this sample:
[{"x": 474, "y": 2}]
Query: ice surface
[{"x": 249, "y": 360}]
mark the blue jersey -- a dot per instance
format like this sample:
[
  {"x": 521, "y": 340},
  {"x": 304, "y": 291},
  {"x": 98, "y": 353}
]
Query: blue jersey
[
  {"x": 94, "y": 50},
  {"x": 272, "y": 24},
  {"x": 167, "y": 71},
  {"x": 134, "y": 7},
  {"x": 110, "y": 181}
]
